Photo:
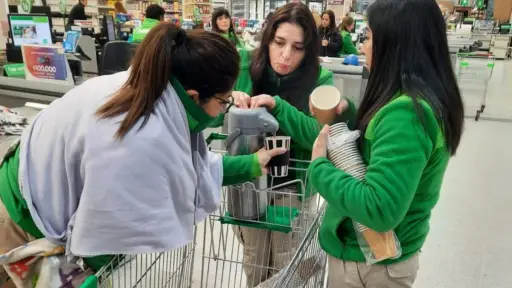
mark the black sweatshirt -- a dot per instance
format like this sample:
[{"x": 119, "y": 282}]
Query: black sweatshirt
[{"x": 334, "y": 47}]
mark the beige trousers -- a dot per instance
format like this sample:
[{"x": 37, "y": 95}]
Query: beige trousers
[
  {"x": 267, "y": 252},
  {"x": 344, "y": 274},
  {"x": 12, "y": 237}
]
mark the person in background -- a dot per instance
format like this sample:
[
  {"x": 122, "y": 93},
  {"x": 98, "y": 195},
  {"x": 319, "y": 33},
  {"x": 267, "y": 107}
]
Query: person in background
[
  {"x": 114, "y": 136},
  {"x": 119, "y": 8},
  {"x": 346, "y": 26},
  {"x": 285, "y": 68},
  {"x": 330, "y": 39},
  {"x": 411, "y": 119},
  {"x": 223, "y": 25},
  {"x": 76, "y": 13},
  {"x": 154, "y": 15}
]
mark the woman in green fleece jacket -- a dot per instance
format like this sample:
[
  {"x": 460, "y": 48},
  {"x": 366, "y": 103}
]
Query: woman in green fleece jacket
[
  {"x": 348, "y": 47},
  {"x": 411, "y": 118},
  {"x": 285, "y": 66},
  {"x": 222, "y": 23}
]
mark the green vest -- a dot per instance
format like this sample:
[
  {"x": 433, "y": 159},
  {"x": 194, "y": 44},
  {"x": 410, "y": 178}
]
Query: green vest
[{"x": 140, "y": 33}]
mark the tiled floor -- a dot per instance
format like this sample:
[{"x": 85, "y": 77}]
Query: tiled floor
[{"x": 470, "y": 244}]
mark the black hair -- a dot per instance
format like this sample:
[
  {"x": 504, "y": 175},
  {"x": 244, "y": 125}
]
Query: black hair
[
  {"x": 221, "y": 11},
  {"x": 155, "y": 11},
  {"x": 410, "y": 56},
  {"x": 199, "y": 60},
  {"x": 297, "y": 13},
  {"x": 332, "y": 20}
]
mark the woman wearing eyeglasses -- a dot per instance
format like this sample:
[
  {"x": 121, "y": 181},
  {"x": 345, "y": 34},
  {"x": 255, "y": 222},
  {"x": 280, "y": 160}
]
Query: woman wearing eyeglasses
[{"x": 119, "y": 165}]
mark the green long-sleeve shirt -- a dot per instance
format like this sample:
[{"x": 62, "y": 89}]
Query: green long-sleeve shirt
[
  {"x": 406, "y": 161},
  {"x": 348, "y": 46}
]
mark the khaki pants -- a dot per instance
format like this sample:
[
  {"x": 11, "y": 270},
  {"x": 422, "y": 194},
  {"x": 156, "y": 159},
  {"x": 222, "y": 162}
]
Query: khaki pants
[
  {"x": 12, "y": 237},
  {"x": 344, "y": 274},
  {"x": 267, "y": 252}
]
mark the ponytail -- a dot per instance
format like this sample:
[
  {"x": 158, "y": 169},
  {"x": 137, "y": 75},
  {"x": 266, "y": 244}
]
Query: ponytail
[{"x": 201, "y": 61}]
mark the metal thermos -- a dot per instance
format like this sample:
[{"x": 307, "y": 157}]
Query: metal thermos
[{"x": 246, "y": 133}]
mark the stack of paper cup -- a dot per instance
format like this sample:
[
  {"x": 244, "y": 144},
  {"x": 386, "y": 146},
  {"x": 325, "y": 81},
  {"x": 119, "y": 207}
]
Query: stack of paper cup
[
  {"x": 344, "y": 154},
  {"x": 325, "y": 100}
]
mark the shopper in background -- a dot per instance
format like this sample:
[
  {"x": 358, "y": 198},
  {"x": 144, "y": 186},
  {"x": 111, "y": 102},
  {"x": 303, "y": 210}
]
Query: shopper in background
[
  {"x": 330, "y": 39},
  {"x": 223, "y": 24},
  {"x": 119, "y": 8},
  {"x": 76, "y": 13},
  {"x": 124, "y": 153},
  {"x": 154, "y": 15},
  {"x": 411, "y": 117},
  {"x": 346, "y": 27},
  {"x": 286, "y": 68}
]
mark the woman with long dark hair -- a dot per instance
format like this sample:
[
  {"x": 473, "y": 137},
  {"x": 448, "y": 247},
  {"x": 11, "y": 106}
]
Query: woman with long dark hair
[
  {"x": 222, "y": 23},
  {"x": 330, "y": 39},
  {"x": 286, "y": 68},
  {"x": 411, "y": 119},
  {"x": 124, "y": 154}
]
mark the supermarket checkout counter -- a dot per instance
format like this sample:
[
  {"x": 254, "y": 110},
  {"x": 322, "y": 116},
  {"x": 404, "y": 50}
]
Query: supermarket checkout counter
[{"x": 15, "y": 92}]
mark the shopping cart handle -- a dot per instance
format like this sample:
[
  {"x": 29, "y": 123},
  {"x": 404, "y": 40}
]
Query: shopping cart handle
[{"x": 215, "y": 136}]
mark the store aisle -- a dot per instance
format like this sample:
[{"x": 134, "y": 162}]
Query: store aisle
[{"x": 469, "y": 243}]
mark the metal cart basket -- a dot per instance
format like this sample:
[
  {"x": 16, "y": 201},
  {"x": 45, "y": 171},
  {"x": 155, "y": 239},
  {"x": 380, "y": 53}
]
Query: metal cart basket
[
  {"x": 257, "y": 252},
  {"x": 475, "y": 68},
  {"x": 172, "y": 269}
]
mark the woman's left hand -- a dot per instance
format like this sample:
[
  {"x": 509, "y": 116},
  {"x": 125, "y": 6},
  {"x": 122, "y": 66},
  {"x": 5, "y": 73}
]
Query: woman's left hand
[
  {"x": 320, "y": 145},
  {"x": 325, "y": 42}
]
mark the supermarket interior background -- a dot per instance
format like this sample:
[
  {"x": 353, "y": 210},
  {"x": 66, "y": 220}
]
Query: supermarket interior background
[{"x": 469, "y": 241}]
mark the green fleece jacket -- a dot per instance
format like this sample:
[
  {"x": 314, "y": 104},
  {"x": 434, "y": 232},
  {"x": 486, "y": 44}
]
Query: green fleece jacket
[
  {"x": 236, "y": 169},
  {"x": 140, "y": 33},
  {"x": 348, "y": 46},
  {"x": 406, "y": 161},
  {"x": 239, "y": 43}
]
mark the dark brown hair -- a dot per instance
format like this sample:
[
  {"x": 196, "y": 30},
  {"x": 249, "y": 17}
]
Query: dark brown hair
[
  {"x": 297, "y": 13},
  {"x": 332, "y": 20},
  {"x": 200, "y": 60},
  {"x": 218, "y": 12},
  {"x": 345, "y": 23}
]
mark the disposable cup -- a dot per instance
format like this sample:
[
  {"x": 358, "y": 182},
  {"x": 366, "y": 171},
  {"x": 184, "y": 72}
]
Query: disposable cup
[
  {"x": 325, "y": 100},
  {"x": 278, "y": 165}
]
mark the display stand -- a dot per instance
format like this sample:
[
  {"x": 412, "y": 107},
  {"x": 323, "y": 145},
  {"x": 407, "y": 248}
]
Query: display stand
[{"x": 46, "y": 64}]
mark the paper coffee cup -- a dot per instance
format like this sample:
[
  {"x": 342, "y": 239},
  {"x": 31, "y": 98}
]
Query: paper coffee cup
[
  {"x": 278, "y": 165},
  {"x": 325, "y": 100}
]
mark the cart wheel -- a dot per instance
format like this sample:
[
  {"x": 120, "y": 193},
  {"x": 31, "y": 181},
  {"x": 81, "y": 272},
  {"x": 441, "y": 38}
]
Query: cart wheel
[
  {"x": 477, "y": 116},
  {"x": 482, "y": 108}
]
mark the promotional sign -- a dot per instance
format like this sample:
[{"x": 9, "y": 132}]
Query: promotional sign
[
  {"x": 16, "y": 70},
  {"x": 45, "y": 63}
]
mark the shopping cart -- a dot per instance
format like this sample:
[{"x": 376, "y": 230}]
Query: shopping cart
[
  {"x": 172, "y": 269},
  {"x": 284, "y": 239},
  {"x": 478, "y": 68}
]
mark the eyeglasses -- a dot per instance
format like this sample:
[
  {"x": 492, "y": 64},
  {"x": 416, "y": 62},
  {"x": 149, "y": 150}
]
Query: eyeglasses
[{"x": 229, "y": 103}]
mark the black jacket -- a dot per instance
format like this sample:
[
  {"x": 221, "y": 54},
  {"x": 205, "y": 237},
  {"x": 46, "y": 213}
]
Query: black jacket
[
  {"x": 334, "y": 47},
  {"x": 76, "y": 13}
]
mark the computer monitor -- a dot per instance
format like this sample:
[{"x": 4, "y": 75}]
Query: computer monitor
[
  {"x": 360, "y": 26},
  {"x": 71, "y": 41},
  {"x": 30, "y": 29},
  {"x": 108, "y": 27}
]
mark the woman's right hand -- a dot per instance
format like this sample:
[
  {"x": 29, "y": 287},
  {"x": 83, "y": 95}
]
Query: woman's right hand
[{"x": 265, "y": 155}]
